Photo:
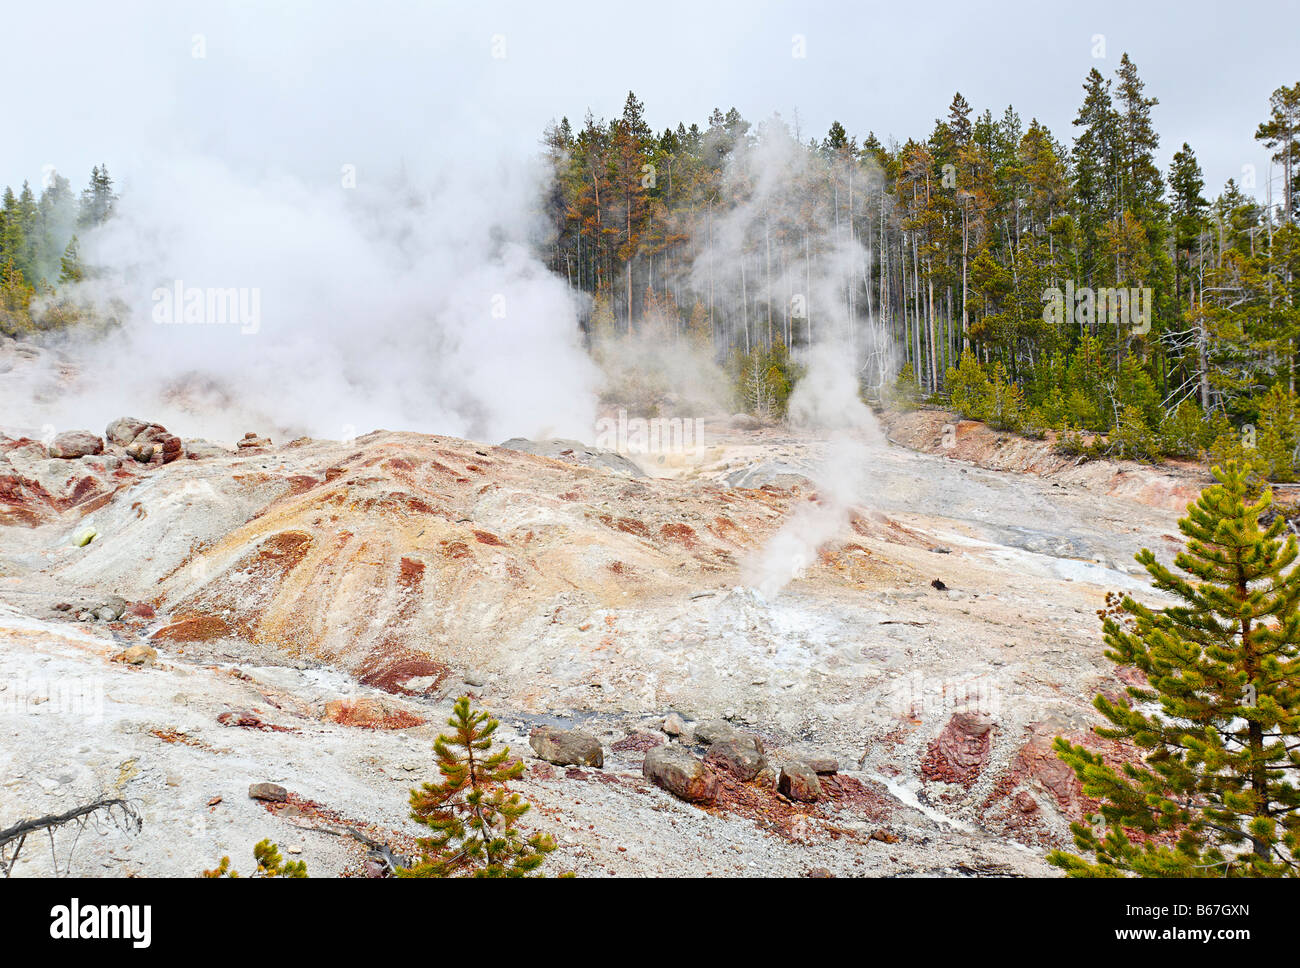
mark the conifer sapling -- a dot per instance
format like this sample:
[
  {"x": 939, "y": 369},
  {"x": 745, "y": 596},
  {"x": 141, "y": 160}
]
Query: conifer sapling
[
  {"x": 1218, "y": 724},
  {"x": 269, "y": 864},
  {"x": 471, "y": 813}
]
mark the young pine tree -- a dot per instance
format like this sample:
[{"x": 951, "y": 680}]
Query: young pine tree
[
  {"x": 1219, "y": 722},
  {"x": 471, "y": 814},
  {"x": 269, "y": 864}
]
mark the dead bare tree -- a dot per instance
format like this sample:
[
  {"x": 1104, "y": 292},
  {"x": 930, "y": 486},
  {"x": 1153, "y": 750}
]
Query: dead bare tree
[
  {"x": 120, "y": 813},
  {"x": 759, "y": 393}
]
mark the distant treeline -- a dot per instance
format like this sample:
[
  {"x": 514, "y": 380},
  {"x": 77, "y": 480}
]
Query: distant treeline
[
  {"x": 969, "y": 234},
  {"x": 38, "y": 244}
]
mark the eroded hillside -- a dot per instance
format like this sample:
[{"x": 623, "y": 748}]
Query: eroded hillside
[{"x": 315, "y": 607}]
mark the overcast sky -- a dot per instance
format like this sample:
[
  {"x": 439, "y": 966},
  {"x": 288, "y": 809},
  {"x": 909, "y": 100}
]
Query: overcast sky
[{"x": 307, "y": 87}]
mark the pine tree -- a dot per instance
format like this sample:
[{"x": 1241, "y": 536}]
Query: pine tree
[
  {"x": 836, "y": 140},
  {"x": 1142, "y": 186},
  {"x": 70, "y": 268},
  {"x": 471, "y": 813},
  {"x": 1215, "y": 793},
  {"x": 968, "y": 388},
  {"x": 1186, "y": 183},
  {"x": 1095, "y": 164},
  {"x": 97, "y": 200}
]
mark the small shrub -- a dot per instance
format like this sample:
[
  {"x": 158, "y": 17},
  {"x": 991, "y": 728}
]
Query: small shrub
[{"x": 269, "y": 864}]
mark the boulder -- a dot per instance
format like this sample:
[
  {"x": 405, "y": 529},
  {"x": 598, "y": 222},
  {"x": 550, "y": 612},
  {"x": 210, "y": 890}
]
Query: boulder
[
  {"x": 823, "y": 765},
  {"x": 677, "y": 771},
  {"x": 268, "y": 791},
  {"x": 745, "y": 421},
  {"x": 76, "y": 443},
  {"x": 1025, "y": 802},
  {"x": 252, "y": 440},
  {"x": 137, "y": 655},
  {"x": 23, "y": 449},
  {"x": 123, "y": 430},
  {"x": 155, "y": 445},
  {"x": 719, "y": 730},
  {"x": 740, "y": 757},
  {"x": 1037, "y": 765},
  {"x": 110, "y": 609},
  {"x": 674, "y": 725},
  {"x": 798, "y": 781},
  {"x": 566, "y": 747}
]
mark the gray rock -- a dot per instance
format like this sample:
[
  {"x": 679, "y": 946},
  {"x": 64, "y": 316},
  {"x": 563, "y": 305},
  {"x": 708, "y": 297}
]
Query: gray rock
[
  {"x": 566, "y": 747},
  {"x": 798, "y": 781},
  {"x": 745, "y": 421},
  {"x": 576, "y": 452},
  {"x": 719, "y": 730},
  {"x": 72, "y": 444},
  {"x": 673, "y": 725},
  {"x": 714, "y": 731},
  {"x": 822, "y": 765},
  {"x": 155, "y": 445},
  {"x": 677, "y": 771},
  {"x": 268, "y": 791},
  {"x": 123, "y": 430},
  {"x": 252, "y": 441},
  {"x": 111, "y": 608},
  {"x": 740, "y": 757}
]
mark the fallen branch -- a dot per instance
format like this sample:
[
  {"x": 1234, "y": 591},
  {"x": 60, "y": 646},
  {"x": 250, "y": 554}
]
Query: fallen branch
[
  {"x": 17, "y": 834},
  {"x": 377, "y": 851}
]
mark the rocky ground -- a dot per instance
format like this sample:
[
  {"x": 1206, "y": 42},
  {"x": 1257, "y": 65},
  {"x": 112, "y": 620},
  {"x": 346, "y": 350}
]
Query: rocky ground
[{"x": 180, "y": 620}]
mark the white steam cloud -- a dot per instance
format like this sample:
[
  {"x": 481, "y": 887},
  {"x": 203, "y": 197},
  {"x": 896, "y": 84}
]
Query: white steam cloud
[
  {"x": 398, "y": 304},
  {"x": 841, "y": 343},
  {"x": 826, "y": 400}
]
